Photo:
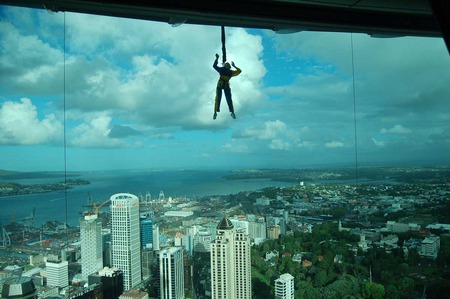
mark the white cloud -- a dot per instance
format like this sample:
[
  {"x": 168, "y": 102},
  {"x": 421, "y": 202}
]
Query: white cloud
[
  {"x": 378, "y": 143},
  {"x": 304, "y": 144},
  {"x": 147, "y": 72},
  {"x": 385, "y": 78},
  {"x": 29, "y": 63},
  {"x": 235, "y": 148},
  {"x": 267, "y": 131},
  {"x": 95, "y": 133},
  {"x": 171, "y": 81},
  {"x": 20, "y": 125},
  {"x": 278, "y": 144},
  {"x": 397, "y": 129},
  {"x": 334, "y": 144}
]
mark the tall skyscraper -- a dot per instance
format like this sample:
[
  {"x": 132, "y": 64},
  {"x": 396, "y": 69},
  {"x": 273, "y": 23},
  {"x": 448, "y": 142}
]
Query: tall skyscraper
[
  {"x": 230, "y": 263},
  {"x": 155, "y": 237},
  {"x": 146, "y": 233},
  {"x": 57, "y": 273},
  {"x": 284, "y": 287},
  {"x": 125, "y": 233},
  {"x": 91, "y": 245},
  {"x": 171, "y": 273}
]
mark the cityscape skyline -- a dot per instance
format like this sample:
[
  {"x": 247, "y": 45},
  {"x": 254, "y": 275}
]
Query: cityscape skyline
[{"x": 313, "y": 231}]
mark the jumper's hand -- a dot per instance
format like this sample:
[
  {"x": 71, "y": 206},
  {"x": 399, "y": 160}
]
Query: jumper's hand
[
  {"x": 217, "y": 56},
  {"x": 232, "y": 63}
]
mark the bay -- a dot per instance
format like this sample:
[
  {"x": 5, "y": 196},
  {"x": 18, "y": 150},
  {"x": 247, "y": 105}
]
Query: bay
[{"x": 68, "y": 206}]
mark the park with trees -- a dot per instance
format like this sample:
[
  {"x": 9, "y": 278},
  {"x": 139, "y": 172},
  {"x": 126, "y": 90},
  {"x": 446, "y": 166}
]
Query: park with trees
[{"x": 332, "y": 266}]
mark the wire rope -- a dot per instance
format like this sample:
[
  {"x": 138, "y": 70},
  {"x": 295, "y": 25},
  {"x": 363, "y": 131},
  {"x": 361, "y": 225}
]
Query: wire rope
[
  {"x": 224, "y": 49},
  {"x": 64, "y": 130},
  {"x": 354, "y": 110}
]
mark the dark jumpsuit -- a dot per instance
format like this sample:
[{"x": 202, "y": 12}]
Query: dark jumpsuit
[{"x": 224, "y": 83}]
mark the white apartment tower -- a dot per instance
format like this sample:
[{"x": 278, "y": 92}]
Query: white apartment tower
[
  {"x": 125, "y": 234},
  {"x": 230, "y": 263},
  {"x": 430, "y": 246},
  {"x": 57, "y": 273},
  {"x": 284, "y": 287},
  {"x": 91, "y": 245},
  {"x": 171, "y": 273},
  {"x": 257, "y": 230}
]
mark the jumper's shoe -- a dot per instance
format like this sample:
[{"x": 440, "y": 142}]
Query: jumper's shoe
[
  {"x": 233, "y": 115},
  {"x": 215, "y": 115}
]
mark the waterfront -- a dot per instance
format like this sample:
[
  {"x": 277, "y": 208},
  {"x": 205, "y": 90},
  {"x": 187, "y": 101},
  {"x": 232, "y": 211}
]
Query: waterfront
[{"x": 52, "y": 205}]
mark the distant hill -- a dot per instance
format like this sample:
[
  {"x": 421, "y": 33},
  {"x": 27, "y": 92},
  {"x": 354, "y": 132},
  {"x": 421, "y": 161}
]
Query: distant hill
[{"x": 18, "y": 175}]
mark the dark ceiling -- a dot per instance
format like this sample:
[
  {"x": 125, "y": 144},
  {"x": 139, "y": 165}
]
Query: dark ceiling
[{"x": 374, "y": 17}]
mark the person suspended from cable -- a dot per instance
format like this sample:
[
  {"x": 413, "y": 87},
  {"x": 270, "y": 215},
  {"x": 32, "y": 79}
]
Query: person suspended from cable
[{"x": 226, "y": 73}]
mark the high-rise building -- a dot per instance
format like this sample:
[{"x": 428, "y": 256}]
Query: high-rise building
[
  {"x": 125, "y": 233},
  {"x": 284, "y": 287},
  {"x": 202, "y": 241},
  {"x": 430, "y": 246},
  {"x": 273, "y": 232},
  {"x": 178, "y": 240},
  {"x": 91, "y": 245},
  {"x": 111, "y": 281},
  {"x": 147, "y": 262},
  {"x": 171, "y": 273},
  {"x": 155, "y": 237},
  {"x": 257, "y": 230},
  {"x": 188, "y": 244},
  {"x": 106, "y": 244},
  {"x": 230, "y": 263},
  {"x": 57, "y": 273},
  {"x": 283, "y": 226},
  {"x": 147, "y": 233}
]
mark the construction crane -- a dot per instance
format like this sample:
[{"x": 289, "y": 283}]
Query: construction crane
[{"x": 97, "y": 206}]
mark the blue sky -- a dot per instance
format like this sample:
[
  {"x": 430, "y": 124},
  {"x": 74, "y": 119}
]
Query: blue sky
[{"x": 140, "y": 94}]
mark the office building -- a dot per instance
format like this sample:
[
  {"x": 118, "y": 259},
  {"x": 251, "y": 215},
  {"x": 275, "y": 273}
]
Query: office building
[
  {"x": 202, "y": 241},
  {"x": 178, "y": 240},
  {"x": 155, "y": 237},
  {"x": 230, "y": 263},
  {"x": 147, "y": 262},
  {"x": 125, "y": 233},
  {"x": 171, "y": 273},
  {"x": 111, "y": 281},
  {"x": 57, "y": 273},
  {"x": 106, "y": 247},
  {"x": 91, "y": 245},
  {"x": 147, "y": 233},
  {"x": 284, "y": 287},
  {"x": 188, "y": 244}
]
